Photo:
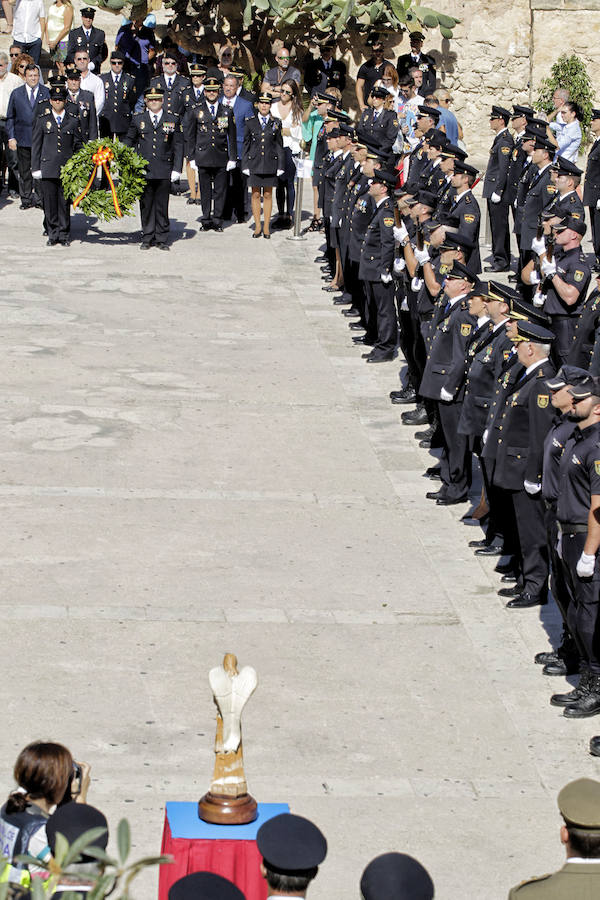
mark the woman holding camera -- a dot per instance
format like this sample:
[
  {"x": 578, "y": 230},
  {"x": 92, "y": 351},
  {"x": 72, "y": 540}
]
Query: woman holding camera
[{"x": 47, "y": 777}]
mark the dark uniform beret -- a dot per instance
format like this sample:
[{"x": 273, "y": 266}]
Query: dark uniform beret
[
  {"x": 574, "y": 222},
  {"x": 154, "y": 93},
  {"x": 88, "y": 12},
  {"x": 463, "y": 168},
  {"x": 451, "y": 150},
  {"x": 459, "y": 270},
  {"x": 438, "y": 140},
  {"x": 74, "y": 819},
  {"x": 290, "y": 843},
  {"x": 566, "y": 375},
  {"x": 204, "y": 886},
  {"x": 572, "y": 802},
  {"x": 385, "y": 176},
  {"x": 396, "y": 876},
  {"x": 58, "y": 92},
  {"x": 566, "y": 167},
  {"x": 531, "y": 331},
  {"x": 499, "y": 112},
  {"x": 117, "y": 54},
  {"x": 426, "y": 198},
  {"x": 380, "y": 91},
  {"x": 431, "y": 111},
  {"x": 453, "y": 240}
]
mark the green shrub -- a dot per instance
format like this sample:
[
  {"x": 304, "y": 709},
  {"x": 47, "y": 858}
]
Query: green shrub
[{"x": 569, "y": 72}]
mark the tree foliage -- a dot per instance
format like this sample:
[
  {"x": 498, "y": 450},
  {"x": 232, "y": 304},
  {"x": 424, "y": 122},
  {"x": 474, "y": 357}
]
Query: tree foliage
[{"x": 569, "y": 72}]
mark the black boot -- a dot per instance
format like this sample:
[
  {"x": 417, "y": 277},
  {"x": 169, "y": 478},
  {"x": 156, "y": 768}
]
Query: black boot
[
  {"x": 589, "y": 704},
  {"x": 575, "y": 695}
]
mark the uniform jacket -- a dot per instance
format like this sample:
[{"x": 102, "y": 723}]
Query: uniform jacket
[
  {"x": 377, "y": 255},
  {"x": 485, "y": 358},
  {"x": 585, "y": 352},
  {"x": 446, "y": 195},
  {"x": 173, "y": 102},
  {"x": 52, "y": 146},
  {"x": 591, "y": 184},
  {"x": 380, "y": 129},
  {"x": 572, "y": 268},
  {"x": 319, "y": 78},
  {"x": 119, "y": 101},
  {"x": 496, "y": 174},
  {"x": 95, "y": 46},
  {"x": 211, "y": 142},
  {"x": 85, "y": 109},
  {"x": 569, "y": 205},
  {"x": 342, "y": 178},
  {"x": 465, "y": 215},
  {"x": 332, "y": 167},
  {"x": 518, "y": 161},
  {"x": 539, "y": 196},
  {"x": 20, "y": 115},
  {"x": 577, "y": 881},
  {"x": 434, "y": 179},
  {"x": 425, "y": 63},
  {"x": 162, "y": 146},
  {"x": 451, "y": 330},
  {"x": 242, "y": 111},
  {"x": 262, "y": 152},
  {"x": 527, "y": 175},
  {"x": 524, "y": 424},
  {"x": 418, "y": 160},
  {"x": 360, "y": 215}
]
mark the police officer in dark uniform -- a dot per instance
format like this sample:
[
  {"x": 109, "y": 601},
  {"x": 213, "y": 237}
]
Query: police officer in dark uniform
[
  {"x": 262, "y": 161},
  {"x": 156, "y": 135},
  {"x": 56, "y": 137},
  {"x": 540, "y": 195},
  {"x": 518, "y": 160},
  {"x": 210, "y": 145},
  {"x": 89, "y": 38},
  {"x": 204, "y": 886},
  {"x": 120, "y": 95},
  {"x": 433, "y": 177},
  {"x": 464, "y": 212},
  {"x": 82, "y": 104},
  {"x": 377, "y": 125},
  {"x": 494, "y": 188},
  {"x": 585, "y": 351},
  {"x": 591, "y": 185},
  {"x": 396, "y": 875},
  {"x": 375, "y": 268},
  {"x": 421, "y": 60},
  {"x": 292, "y": 849},
  {"x": 528, "y": 172},
  {"x": 566, "y": 177},
  {"x": 325, "y": 72},
  {"x": 172, "y": 83}
]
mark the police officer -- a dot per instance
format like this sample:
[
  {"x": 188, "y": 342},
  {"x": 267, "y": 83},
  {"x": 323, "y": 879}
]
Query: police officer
[
  {"x": 88, "y": 37},
  {"x": 292, "y": 849},
  {"x": 539, "y": 196},
  {"x": 172, "y": 83},
  {"x": 56, "y": 137},
  {"x": 120, "y": 95},
  {"x": 579, "y": 806},
  {"x": 396, "y": 875},
  {"x": 591, "y": 185},
  {"x": 494, "y": 188},
  {"x": 204, "y": 886},
  {"x": 262, "y": 161},
  {"x": 81, "y": 104},
  {"x": 210, "y": 145},
  {"x": 421, "y": 60},
  {"x": 375, "y": 268},
  {"x": 585, "y": 351},
  {"x": 464, "y": 212},
  {"x": 378, "y": 126},
  {"x": 156, "y": 135},
  {"x": 566, "y": 177}
]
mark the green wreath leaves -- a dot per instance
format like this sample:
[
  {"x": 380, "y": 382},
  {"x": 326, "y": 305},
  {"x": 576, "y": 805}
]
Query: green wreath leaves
[{"x": 128, "y": 166}]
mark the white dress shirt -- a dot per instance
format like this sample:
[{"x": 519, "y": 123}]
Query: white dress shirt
[
  {"x": 94, "y": 84},
  {"x": 26, "y": 20}
]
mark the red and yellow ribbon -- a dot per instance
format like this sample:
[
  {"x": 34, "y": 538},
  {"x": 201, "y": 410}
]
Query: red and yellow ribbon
[{"x": 101, "y": 157}]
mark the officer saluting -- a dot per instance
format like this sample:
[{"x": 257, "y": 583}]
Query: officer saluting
[
  {"x": 204, "y": 885},
  {"x": 156, "y": 135},
  {"x": 292, "y": 849},
  {"x": 56, "y": 137}
]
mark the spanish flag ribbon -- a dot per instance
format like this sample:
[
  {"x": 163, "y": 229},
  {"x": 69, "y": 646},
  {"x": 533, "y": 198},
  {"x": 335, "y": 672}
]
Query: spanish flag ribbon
[{"x": 101, "y": 157}]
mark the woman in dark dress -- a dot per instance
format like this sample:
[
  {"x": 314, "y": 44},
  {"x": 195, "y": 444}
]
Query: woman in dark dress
[{"x": 263, "y": 161}]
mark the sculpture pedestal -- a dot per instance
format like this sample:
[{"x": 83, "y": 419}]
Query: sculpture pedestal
[{"x": 221, "y": 810}]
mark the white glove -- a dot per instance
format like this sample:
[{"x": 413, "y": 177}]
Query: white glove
[
  {"x": 91, "y": 67},
  {"x": 193, "y": 165},
  {"x": 538, "y": 245},
  {"x": 416, "y": 284},
  {"x": 597, "y": 204},
  {"x": 399, "y": 265},
  {"x": 586, "y": 565},
  {"x": 421, "y": 256},
  {"x": 495, "y": 198},
  {"x": 404, "y": 305},
  {"x": 231, "y": 165},
  {"x": 446, "y": 396},
  {"x": 539, "y": 299},
  {"x": 386, "y": 277},
  {"x": 548, "y": 268},
  {"x": 531, "y": 487},
  {"x": 400, "y": 232},
  {"x": 279, "y": 173},
  {"x": 37, "y": 174},
  {"x": 246, "y": 172},
  {"x": 485, "y": 435},
  {"x": 559, "y": 546},
  {"x": 175, "y": 176},
  {"x": 534, "y": 278}
]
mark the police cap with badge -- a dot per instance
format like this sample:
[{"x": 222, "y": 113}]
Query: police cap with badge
[
  {"x": 426, "y": 198},
  {"x": 291, "y": 845},
  {"x": 58, "y": 91},
  {"x": 213, "y": 84},
  {"x": 588, "y": 387},
  {"x": 385, "y": 176},
  {"x": 118, "y": 55},
  {"x": 154, "y": 93},
  {"x": 572, "y": 375},
  {"x": 452, "y": 151},
  {"x": 563, "y": 166},
  {"x": 463, "y": 168},
  {"x": 542, "y": 143},
  {"x": 380, "y": 91},
  {"x": 376, "y": 152},
  {"x": 430, "y": 111},
  {"x": 323, "y": 97},
  {"x": 532, "y": 332},
  {"x": 438, "y": 140},
  {"x": 459, "y": 270},
  {"x": 454, "y": 240},
  {"x": 574, "y": 222},
  {"x": 499, "y": 112},
  {"x": 196, "y": 70},
  {"x": 73, "y": 73},
  {"x": 396, "y": 876},
  {"x": 88, "y": 12},
  {"x": 204, "y": 886},
  {"x": 525, "y": 111}
]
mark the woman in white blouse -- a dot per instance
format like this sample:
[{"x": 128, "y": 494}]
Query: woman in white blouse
[{"x": 289, "y": 109}]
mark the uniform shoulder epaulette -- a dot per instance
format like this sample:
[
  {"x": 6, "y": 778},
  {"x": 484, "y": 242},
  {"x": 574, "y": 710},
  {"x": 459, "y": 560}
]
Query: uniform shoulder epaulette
[
  {"x": 467, "y": 198},
  {"x": 532, "y": 880},
  {"x": 464, "y": 305}
]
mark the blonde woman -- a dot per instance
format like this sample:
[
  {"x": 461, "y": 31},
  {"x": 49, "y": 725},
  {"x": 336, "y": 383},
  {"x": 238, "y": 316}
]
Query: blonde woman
[{"x": 58, "y": 26}]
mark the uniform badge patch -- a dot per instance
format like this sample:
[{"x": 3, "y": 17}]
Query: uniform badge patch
[
  {"x": 465, "y": 329},
  {"x": 468, "y": 198},
  {"x": 575, "y": 215},
  {"x": 444, "y": 269},
  {"x": 542, "y": 400},
  {"x": 515, "y": 153},
  {"x": 395, "y": 123},
  {"x": 578, "y": 275},
  {"x": 48, "y": 125},
  {"x": 388, "y": 221},
  {"x": 142, "y": 124},
  {"x": 505, "y": 150},
  {"x": 550, "y": 188},
  {"x": 597, "y": 466},
  {"x": 469, "y": 219},
  {"x": 506, "y": 354}
]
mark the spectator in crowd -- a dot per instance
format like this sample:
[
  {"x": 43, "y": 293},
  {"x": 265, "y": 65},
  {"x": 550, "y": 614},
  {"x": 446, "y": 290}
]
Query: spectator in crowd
[
  {"x": 566, "y": 134},
  {"x": 168, "y": 43},
  {"x": 390, "y": 81},
  {"x": 89, "y": 81},
  {"x": 204, "y": 886},
  {"x": 417, "y": 76},
  {"x": 370, "y": 71},
  {"x": 72, "y": 821},
  {"x": 325, "y": 71},
  {"x": 8, "y": 13},
  {"x": 289, "y": 109},
  {"x": 13, "y": 54},
  {"x": 22, "y": 107},
  {"x": 29, "y": 25},
  {"x": 20, "y": 64},
  {"x": 225, "y": 60},
  {"x": 275, "y": 77},
  {"x": 447, "y": 117},
  {"x": 559, "y": 98},
  {"x": 88, "y": 37},
  {"x": 397, "y": 876},
  {"x": 237, "y": 188},
  {"x": 292, "y": 849},
  {"x": 137, "y": 42},
  {"x": 58, "y": 25},
  {"x": 8, "y": 157}
]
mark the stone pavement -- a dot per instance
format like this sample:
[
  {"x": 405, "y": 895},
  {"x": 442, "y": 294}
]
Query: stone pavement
[{"x": 195, "y": 460}]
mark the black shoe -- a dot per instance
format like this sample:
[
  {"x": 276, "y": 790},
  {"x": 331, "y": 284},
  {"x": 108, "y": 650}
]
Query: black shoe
[
  {"x": 267, "y": 237},
  {"x": 26, "y": 205},
  {"x": 257, "y": 234},
  {"x": 525, "y": 600},
  {"x": 561, "y": 667},
  {"x": 490, "y": 550},
  {"x": 416, "y": 416},
  {"x": 495, "y": 269},
  {"x": 217, "y": 228},
  {"x": 572, "y": 696},
  {"x": 142, "y": 246},
  {"x": 433, "y": 472},
  {"x": 511, "y": 578},
  {"x": 351, "y": 313},
  {"x": 163, "y": 246},
  {"x": 513, "y": 277},
  {"x": 51, "y": 243},
  {"x": 327, "y": 278},
  {"x": 436, "y": 495},
  {"x": 424, "y": 435},
  {"x": 65, "y": 243},
  {"x": 380, "y": 357},
  {"x": 328, "y": 288},
  {"x": 477, "y": 544},
  {"x": 321, "y": 259},
  {"x": 451, "y": 501},
  {"x": 206, "y": 226},
  {"x": 341, "y": 301},
  {"x": 356, "y": 326},
  {"x": 402, "y": 398},
  {"x": 514, "y": 591},
  {"x": 363, "y": 339},
  {"x": 589, "y": 704},
  {"x": 326, "y": 269},
  {"x": 191, "y": 201},
  {"x": 595, "y": 745},
  {"x": 545, "y": 657},
  {"x": 504, "y": 568}
]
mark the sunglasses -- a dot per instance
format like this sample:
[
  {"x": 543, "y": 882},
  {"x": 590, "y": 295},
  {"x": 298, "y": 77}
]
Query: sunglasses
[
  {"x": 289, "y": 93},
  {"x": 21, "y": 68},
  {"x": 283, "y": 57},
  {"x": 14, "y": 55}
]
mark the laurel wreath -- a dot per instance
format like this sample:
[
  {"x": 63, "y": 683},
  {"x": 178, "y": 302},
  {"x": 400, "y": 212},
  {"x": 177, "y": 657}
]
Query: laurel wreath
[{"x": 127, "y": 168}]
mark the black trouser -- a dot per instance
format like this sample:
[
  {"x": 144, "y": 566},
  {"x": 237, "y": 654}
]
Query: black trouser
[
  {"x": 330, "y": 249},
  {"x": 558, "y": 586},
  {"x": 564, "y": 330},
  {"x": 595, "y": 223},
  {"x": 502, "y": 515},
  {"x": 236, "y": 195},
  {"x": 25, "y": 178},
  {"x": 531, "y": 526},
  {"x": 500, "y": 233},
  {"x": 154, "y": 211},
  {"x": 356, "y": 288},
  {"x": 407, "y": 341},
  {"x": 212, "y": 181},
  {"x": 57, "y": 210},
  {"x": 456, "y": 459},
  {"x": 8, "y": 160},
  {"x": 381, "y": 315},
  {"x": 585, "y": 601}
]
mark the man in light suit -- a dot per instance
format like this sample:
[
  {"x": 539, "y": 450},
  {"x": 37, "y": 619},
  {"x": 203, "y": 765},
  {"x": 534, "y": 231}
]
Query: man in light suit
[
  {"x": 236, "y": 198},
  {"x": 22, "y": 110}
]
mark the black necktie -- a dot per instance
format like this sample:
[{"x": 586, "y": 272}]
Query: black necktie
[
  {"x": 212, "y": 110},
  {"x": 117, "y": 79},
  {"x": 155, "y": 120},
  {"x": 263, "y": 122}
]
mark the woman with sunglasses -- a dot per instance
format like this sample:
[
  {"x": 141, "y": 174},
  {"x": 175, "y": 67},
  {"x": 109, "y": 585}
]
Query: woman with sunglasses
[
  {"x": 263, "y": 161},
  {"x": 20, "y": 64},
  {"x": 289, "y": 109}
]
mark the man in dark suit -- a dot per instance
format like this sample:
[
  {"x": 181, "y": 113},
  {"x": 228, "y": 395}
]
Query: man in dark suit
[
  {"x": 156, "y": 135},
  {"x": 211, "y": 142},
  {"x": 81, "y": 104},
  {"x": 421, "y": 60},
  {"x": 378, "y": 126},
  {"x": 86, "y": 37},
  {"x": 20, "y": 115},
  {"x": 494, "y": 188},
  {"x": 172, "y": 83},
  {"x": 56, "y": 137},
  {"x": 591, "y": 185},
  {"x": 239, "y": 74},
  {"x": 324, "y": 72},
  {"x": 237, "y": 187},
  {"x": 120, "y": 95}
]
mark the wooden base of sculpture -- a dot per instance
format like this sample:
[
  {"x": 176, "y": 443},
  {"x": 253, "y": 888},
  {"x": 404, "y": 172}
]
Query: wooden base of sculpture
[{"x": 221, "y": 810}]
